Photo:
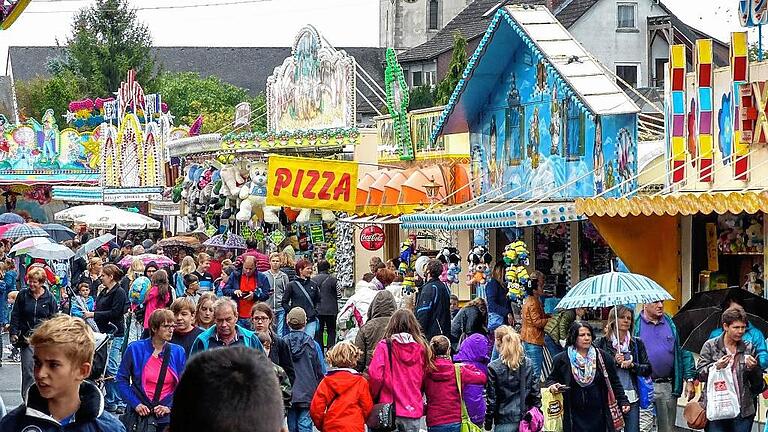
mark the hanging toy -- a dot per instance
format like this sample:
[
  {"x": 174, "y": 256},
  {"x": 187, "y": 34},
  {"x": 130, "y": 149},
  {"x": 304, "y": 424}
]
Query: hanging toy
[
  {"x": 516, "y": 258},
  {"x": 479, "y": 265},
  {"x": 407, "y": 255},
  {"x": 451, "y": 260}
]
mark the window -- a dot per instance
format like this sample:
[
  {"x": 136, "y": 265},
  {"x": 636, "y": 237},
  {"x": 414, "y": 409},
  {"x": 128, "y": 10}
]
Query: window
[
  {"x": 661, "y": 66},
  {"x": 433, "y": 14},
  {"x": 416, "y": 79},
  {"x": 628, "y": 73},
  {"x": 429, "y": 78},
  {"x": 626, "y": 16}
]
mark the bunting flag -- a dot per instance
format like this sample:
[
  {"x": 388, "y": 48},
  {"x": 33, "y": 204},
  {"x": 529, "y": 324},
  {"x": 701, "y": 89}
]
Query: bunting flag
[
  {"x": 677, "y": 91},
  {"x": 704, "y": 78},
  {"x": 739, "y": 71}
]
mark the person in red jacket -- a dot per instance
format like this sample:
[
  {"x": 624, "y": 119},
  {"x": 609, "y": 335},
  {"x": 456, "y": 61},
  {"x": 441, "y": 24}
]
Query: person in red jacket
[{"x": 342, "y": 401}]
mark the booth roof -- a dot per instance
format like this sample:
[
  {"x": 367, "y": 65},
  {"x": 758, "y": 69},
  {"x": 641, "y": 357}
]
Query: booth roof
[
  {"x": 494, "y": 215},
  {"x": 675, "y": 203}
]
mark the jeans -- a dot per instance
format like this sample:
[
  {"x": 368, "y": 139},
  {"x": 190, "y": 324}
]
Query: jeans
[
  {"x": 112, "y": 398},
  {"x": 327, "y": 322},
  {"x": 632, "y": 418},
  {"x": 666, "y": 406},
  {"x": 535, "y": 354},
  {"x": 27, "y": 370},
  {"x": 739, "y": 424},
  {"x": 552, "y": 345},
  {"x": 311, "y": 328},
  {"x": 507, "y": 427},
  {"x": 280, "y": 319},
  {"x": 244, "y": 323},
  {"x": 405, "y": 424},
  {"x": 453, "y": 427},
  {"x": 299, "y": 420}
]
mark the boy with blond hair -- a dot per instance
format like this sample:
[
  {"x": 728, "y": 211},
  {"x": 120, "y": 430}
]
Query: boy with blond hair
[{"x": 61, "y": 399}]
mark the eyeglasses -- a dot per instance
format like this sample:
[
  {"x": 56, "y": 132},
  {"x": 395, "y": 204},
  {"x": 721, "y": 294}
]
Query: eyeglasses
[
  {"x": 260, "y": 318},
  {"x": 168, "y": 326}
]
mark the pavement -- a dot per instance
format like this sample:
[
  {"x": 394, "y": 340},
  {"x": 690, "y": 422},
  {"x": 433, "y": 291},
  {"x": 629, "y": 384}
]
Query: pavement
[{"x": 10, "y": 380}]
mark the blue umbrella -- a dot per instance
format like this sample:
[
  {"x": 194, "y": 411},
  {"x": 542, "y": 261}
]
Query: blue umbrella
[
  {"x": 9, "y": 218},
  {"x": 24, "y": 230},
  {"x": 611, "y": 289},
  {"x": 58, "y": 232}
]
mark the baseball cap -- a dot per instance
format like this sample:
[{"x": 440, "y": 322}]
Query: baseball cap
[{"x": 296, "y": 316}]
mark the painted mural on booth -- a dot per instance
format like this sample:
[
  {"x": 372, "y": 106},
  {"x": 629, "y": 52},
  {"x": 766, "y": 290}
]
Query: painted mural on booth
[{"x": 532, "y": 141}]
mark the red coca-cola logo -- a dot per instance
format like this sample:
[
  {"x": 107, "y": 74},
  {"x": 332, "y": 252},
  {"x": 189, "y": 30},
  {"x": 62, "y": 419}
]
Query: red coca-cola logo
[{"x": 372, "y": 237}]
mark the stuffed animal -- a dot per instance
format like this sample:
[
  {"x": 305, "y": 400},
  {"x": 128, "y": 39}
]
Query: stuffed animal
[
  {"x": 407, "y": 256},
  {"x": 755, "y": 236},
  {"x": 479, "y": 265},
  {"x": 451, "y": 260},
  {"x": 516, "y": 258}
]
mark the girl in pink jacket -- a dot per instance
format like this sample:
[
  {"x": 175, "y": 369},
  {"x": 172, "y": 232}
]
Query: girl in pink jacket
[
  {"x": 401, "y": 380},
  {"x": 158, "y": 296}
]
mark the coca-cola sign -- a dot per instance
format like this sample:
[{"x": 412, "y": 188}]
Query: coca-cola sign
[{"x": 372, "y": 237}]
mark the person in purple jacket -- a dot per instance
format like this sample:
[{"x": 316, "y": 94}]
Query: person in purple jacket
[{"x": 474, "y": 351}]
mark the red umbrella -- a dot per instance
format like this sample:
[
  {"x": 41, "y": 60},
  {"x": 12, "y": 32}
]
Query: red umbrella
[{"x": 4, "y": 228}]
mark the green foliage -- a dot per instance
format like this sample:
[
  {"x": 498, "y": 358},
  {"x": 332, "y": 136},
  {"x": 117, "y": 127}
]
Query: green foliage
[
  {"x": 189, "y": 95},
  {"x": 456, "y": 68},
  {"x": 39, "y": 94},
  {"x": 753, "y": 51},
  {"x": 107, "y": 40},
  {"x": 421, "y": 97}
]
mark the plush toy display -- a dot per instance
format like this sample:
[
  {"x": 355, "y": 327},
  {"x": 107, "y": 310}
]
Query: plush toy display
[
  {"x": 516, "y": 258},
  {"x": 451, "y": 260},
  {"x": 479, "y": 265}
]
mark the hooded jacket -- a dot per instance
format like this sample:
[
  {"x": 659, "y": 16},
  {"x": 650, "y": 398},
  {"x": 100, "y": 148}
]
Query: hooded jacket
[
  {"x": 355, "y": 311},
  {"x": 342, "y": 402},
  {"x": 511, "y": 393},
  {"x": 433, "y": 309},
  {"x": 34, "y": 416},
  {"x": 469, "y": 320},
  {"x": 306, "y": 366},
  {"x": 400, "y": 381},
  {"x": 474, "y": 351},
  {"x": 440, "y": 386},
  {"x": 382, "y": 308}
]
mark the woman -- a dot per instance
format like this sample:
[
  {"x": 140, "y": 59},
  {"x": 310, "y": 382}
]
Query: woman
[
  {"x": 579, "y": 373},
  {"x": 305, "y": 294},
  {"x": 631, "y": 359},
  {"x": 513, "y": 388},
  {"x": 135, "y": 271},
  {"x": 110, "y": 305},
  {"x": 33, "y": 305},
  {"x": 158, "y": 296},
  {"x": 471, "y": 319},
  {"x": 262, "y": 320},
  {"x": 93, "y": 275},
  {"x": 288, "y": 266},
  {"x": 137, "y": 286},
  {"x": 204, "y": 313},
  {"x": 278, "y": 281},
  {"x": 221, "y": 282},
  {"x": 534, "y": 321},
  {"x": 144, "y": 384},
  {"x": 382, "y": 308},
  {"x": 474, "y": 351},
  {"x": 499, "y": 312},
  {"x": 384, "y": 278},
  {"x": 401, "y": 379},
  {"x": 442, "y": 389},
  {"x": 354, "y": 313},
  {"x": 188, "y": 266}
]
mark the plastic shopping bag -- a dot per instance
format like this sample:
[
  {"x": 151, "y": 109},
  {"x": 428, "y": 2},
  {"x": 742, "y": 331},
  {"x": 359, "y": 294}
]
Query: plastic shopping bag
[
  {"x": 552, "y": 405},
  {"x": 722, "y": 398}
]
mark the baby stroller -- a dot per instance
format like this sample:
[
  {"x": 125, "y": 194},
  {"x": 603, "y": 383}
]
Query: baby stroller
[{"x": 99, "y": 368}]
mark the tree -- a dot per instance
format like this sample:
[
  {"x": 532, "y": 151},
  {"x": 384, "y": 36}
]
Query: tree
[
  {"x": 189, "y": 95},
  {"x": 107, "y": 40},
  {"x": 39, "y": 94},
  {"x": 455, "y": 70},
  {"x": 421, "y": 97}
]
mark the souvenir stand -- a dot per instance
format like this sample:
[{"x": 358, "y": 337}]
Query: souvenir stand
[
  {"x": 245, "y": 182},
  {"x": 707, "y": 225},
  {"x": 545, "y": 125}
]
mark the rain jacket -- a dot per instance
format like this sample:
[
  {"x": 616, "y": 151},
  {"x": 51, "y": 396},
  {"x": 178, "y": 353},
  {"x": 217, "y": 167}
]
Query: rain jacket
[
  {"x": 27, "y": 312},
  {"x": 34, "y": 416},
  {"x": 307, "y": 366},
  {"x": 402, "y": 380},
  {"x": 534, "y": 321},
  {"x": 329, "y": 293},
  {"x": 433, "y": 309},
  {"x": 511, "y": 393},
  {"x": 443, "y": 403},
  {"x": 342, "y": 402},
  {"x": 382, "y": 308},
  {"x": 203, "y": 341},
  {"x": 355, "y": 311},
  {"x": 684, "y": 366},
  {"x": 474, "y": 351},
  {"x": 468, "y": 321},
  {"x": 753, "y": 336}
]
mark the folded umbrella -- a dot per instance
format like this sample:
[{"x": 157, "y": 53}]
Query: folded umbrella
[{"x": 93, "y": 244}]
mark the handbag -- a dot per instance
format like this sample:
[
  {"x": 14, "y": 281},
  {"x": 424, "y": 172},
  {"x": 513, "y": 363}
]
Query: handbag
[
  {"x": 134, "y": 422},
  {"x": 644, "y": 387},
  {"x": 382, "y": 416},
  {"x": 466, "y": 423},
  {"x": 694, "y": 413},
  {"x": 613, "y": 405},
  {"x": 722, "y": 398}
]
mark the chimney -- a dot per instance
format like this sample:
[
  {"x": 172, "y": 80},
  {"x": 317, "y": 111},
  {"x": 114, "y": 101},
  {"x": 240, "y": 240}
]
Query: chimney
[{"x": 552, "y": 5}]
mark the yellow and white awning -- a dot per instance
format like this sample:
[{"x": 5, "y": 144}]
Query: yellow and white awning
[{"x": 687, "y": 203}]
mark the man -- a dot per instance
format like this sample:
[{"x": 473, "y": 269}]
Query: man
[
  {"x": 262, "y": 260},
  {"x": 328, "y": 307},
  {"x": 205, "y": 278},
  {"x": 247, "y": 286},
  {"x": 672, "y": 366},
  {"x": 226, "y": 332},
  {"x": 433, "y": 305},
  {"x": 126, "y": 249},
  {"x": 375, "y": 264}
]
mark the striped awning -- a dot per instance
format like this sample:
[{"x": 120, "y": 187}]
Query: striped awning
[
  {"x": 687, "y": 203},
  {"x": 372, "y": 220},
  {"x": 493, "y": 215}
]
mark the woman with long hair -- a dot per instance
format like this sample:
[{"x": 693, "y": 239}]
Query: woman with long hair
[
  {"x": 303, "y": 293},
  {"x": 92, "y": 275},
  {"x": 204, "y": 313},
  {"x": 158, "y": 296},
  {"x": 499, "y": 311},
  {"x": 512, "y": 385},
  {"x": 631, "y": 359},
  {"x": 471, "y": 319},
  {"x": 534, "y": 321},
  {"x": 384, "y": 278},
  {"x": 579, "y": 373},
  {"x": 263, "y": 320},
  {"x": 135, "y": 270},
  {"x": 401, "y": 379},
  {"x": 288, "y": 266},
  {"x": 187, "y": 266}
]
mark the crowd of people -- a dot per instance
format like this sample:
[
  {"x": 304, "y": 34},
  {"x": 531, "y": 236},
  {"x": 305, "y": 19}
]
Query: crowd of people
[{"x": 295, "y": 360}]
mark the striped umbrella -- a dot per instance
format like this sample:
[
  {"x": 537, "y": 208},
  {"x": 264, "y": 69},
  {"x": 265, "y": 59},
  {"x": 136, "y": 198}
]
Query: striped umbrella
[
  {"x": 24, "y": 230},
  {"x": 611, "y": 289}
]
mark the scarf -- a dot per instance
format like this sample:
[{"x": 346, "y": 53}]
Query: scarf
[
  {"x": 583, "y": 368},
  {"x": 620, "y": 346}
]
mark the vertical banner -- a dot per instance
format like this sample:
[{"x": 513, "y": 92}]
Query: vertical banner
[
  {"x": 677, "y": 96},
  {"x": 311, "y": 183},
  {"x": 739, "y": 71},
  {"x": 704, "y": 78}
]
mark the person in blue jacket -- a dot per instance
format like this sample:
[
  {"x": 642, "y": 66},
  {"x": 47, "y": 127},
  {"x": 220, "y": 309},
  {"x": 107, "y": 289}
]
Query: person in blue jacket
[
  {"x": 140, "y": 370},
  {"x": 61, "y": 400},
  {"x": 753, "y": 336},
  {"x": 225, "y": 332}
]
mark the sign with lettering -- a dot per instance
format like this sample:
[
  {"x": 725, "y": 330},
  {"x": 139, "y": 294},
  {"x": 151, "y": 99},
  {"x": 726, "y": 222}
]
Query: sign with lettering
[
  {"x": 311, "y": 183},
  {"x": 372, "y": 237}
]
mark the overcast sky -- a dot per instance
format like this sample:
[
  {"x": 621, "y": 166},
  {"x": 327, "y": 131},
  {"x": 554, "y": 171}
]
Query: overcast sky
[{"x": 275, "y": 22}]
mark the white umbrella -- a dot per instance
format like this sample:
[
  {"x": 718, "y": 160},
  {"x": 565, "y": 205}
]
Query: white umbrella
[
  {"x": 93, "y": 244},
  {"x": 50, "y": 251},
  {"x": 120, "y": 219},
  {"x": 72, "y": 213},
  {"x": 31, "y": 242}
]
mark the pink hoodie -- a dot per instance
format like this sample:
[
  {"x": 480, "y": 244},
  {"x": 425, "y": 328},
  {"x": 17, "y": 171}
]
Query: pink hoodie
[
  {"x": 406, "y": 375},
  {"x": 154, "y": 302},
  {"x": 443, "y": 403}
]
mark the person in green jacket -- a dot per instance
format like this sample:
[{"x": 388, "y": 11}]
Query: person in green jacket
[
  {"x": 225, "y": 332},
  {"x": 671, "y": 365},
  {"x": 556, "y": 330}
]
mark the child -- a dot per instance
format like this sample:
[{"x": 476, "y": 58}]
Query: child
[
  {"x": 342, "y": 401},
  {"x": 308, "y": 366},
  {"x": 191, "y": 288},
  {"x": 226, "y": 271},
  {"x": 84, "y": 300},
  {"x": 474, "y": 351},
  {"x": 15, "y": 355},
  {"x": 63, "y": 352}
]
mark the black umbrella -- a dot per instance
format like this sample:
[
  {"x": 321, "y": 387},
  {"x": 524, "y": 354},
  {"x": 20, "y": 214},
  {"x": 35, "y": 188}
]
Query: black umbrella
[{"x": 720, "y": 298}]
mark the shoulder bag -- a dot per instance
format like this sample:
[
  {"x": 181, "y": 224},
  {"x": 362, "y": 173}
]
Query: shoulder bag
[
  {"x": 694, "y": 413},
  {"x": 132, "y": 421},
  {"x": 306, "y": 294},
  {"x": 466, "y": 423},
  {"x": 613, "y": 405},
  {"x": 382, "y": 416}
]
